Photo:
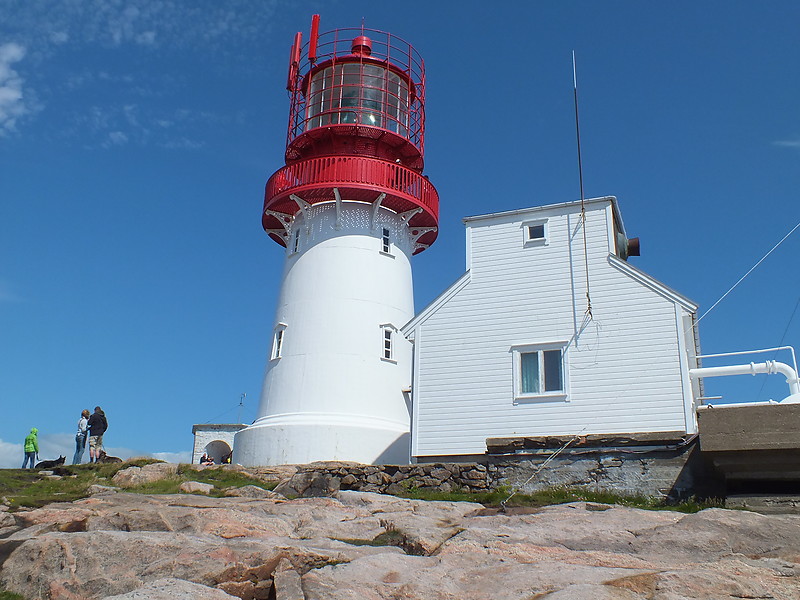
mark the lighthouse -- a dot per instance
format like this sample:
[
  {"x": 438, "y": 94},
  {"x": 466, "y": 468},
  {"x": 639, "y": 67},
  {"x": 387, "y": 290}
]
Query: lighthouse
[{"x": 350, "y": 207}]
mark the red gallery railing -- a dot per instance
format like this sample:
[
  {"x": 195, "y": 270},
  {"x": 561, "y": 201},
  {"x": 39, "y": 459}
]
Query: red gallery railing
[{"x": 357, "y": 178}]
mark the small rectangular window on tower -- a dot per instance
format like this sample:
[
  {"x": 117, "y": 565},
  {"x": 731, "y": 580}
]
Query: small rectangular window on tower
[
  {"x": 296, "y": 244},
  {"x": 387, "y": 338},
  {"x": 385, "y": 240},
  {"x": 387, "y": 343},
  {"x": 277, "y": 342}
]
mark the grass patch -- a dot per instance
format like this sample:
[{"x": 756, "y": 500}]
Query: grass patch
[
  {"x": 26, "y": 488},
  {"x": 548, "y": 497},
  {"x": 10, "y": 596},
  {"x": 222, "y": 478},
  {"x": 169, "y": 485}
]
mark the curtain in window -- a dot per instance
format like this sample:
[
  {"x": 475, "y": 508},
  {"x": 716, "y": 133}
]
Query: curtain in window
[{"x": 529, "y": 369}]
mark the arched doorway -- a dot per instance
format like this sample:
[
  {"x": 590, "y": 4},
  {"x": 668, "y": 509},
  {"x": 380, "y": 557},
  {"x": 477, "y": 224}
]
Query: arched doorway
[{"x": 218, "y": 450}]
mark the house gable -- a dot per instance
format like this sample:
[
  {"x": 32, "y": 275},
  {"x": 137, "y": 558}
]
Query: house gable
[{"x": 525, "y": 294}]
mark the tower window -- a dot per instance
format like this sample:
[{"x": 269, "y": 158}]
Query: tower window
[
  {"x": 385, "y": 240},
  {"x": 387, "y": 351},
  {"x": 296, "y": 244},
  {"x": 277, "y": 342}
]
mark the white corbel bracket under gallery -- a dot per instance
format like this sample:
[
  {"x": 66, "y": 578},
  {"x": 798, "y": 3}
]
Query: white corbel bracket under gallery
[
  {"x": 376, "y": 205},
  {"x": 303, "y": 206},
  {"x": 285, "y": 220},
  {"x": 418, "y": 232},
  {"x": 338, "y": 224},
  {"x": 405, "y": 217}
]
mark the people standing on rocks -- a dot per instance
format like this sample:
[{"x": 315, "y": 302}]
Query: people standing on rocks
[
  {"x": 206, "y": 459},
  {"x": 97, "y": 425},
  {"x": 80, "y": 437},
  {"x": 31, "y": 448}
]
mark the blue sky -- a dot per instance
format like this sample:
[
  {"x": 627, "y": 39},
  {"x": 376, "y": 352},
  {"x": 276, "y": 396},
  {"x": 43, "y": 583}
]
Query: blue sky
[{"x": 136, "y": 138}]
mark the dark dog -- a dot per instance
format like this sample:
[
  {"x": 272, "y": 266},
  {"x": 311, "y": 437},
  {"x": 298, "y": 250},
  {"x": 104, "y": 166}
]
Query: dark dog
[
  {"x": 49, "y": 464},
  {"x": 105, "y": 458}
]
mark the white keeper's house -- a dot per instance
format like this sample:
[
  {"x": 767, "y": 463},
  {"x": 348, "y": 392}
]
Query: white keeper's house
[{"x": 510, "y": 349}]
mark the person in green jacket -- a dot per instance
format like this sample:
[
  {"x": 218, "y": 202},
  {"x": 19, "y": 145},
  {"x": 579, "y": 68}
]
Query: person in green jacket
[{"x": 31, "y": 448}]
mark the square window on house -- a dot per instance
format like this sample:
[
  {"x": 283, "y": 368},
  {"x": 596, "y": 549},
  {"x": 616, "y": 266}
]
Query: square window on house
[
  {"x": 538, "y": 371},
  {"x": 535, "y": 233}
]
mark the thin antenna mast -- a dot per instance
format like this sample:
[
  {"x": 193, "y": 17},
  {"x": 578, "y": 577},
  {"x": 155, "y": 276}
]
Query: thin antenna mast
[
  {"x": 241, "y": 405},
  {"x": 580, "y": 178}
]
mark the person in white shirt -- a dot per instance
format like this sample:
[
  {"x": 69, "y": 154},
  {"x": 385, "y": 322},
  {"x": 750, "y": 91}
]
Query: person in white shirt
[{"x": 80, "y": 437}]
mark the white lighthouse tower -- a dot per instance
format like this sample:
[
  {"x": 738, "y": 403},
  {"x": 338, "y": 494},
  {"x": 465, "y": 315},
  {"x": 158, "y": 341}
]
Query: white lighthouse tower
[{"x": 351, "y": 207}]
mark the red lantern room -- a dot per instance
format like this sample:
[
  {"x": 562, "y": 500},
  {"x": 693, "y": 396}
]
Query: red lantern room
[{"x": 356, "y": 130}]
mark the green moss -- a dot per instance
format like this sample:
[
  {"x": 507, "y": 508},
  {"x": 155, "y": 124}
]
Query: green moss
[
  {"x": 10, "y": 596},
  {"x": 560, "y": 495}
]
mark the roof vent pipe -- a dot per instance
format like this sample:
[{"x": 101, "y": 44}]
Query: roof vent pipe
[{"x": 627, "y": 246}]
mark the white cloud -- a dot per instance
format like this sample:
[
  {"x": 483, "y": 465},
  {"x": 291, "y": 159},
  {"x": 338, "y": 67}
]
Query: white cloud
[
  {"x": 147, "y": 38},
  {"x": 140, "y": 22},
  {"x": 182, "y": 144},
  {"x": 788, "y": 143},
  {"x": 59, "y": 37},
  {"x": 116, "y": 138},
  {"x": 43, "y": 30},
  {"x": 10, "y": 455},
  {"x": 12, "y": 102},
  {"x": 173, "y": 457},
  {"x": 53, "y": 445}
]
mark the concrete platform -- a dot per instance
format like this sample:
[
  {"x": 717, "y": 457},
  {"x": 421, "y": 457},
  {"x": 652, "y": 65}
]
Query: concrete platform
[{"x": 752, "y": 443}]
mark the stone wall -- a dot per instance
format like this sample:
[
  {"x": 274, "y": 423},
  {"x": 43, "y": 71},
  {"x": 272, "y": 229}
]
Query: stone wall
[
  {"x": 328, "y": 477},
  {"x": 675, "y": 474}
]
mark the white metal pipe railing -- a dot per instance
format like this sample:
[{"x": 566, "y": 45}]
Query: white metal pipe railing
[
  {"x": 745, "y": 352},
  {"x": 769, "y": 367}
]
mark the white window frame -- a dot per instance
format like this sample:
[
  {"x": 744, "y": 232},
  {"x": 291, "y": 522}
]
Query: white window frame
[
  {"x": 278, "y": 339},
  {"x": 540, "y": 349},
  {"x": 528, "y": 241},
  {"x": 388, "y": 332},
  {"x": 295, "y": 242}
]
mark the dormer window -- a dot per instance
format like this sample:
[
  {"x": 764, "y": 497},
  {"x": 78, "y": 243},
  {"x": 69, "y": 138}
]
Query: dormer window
[{"x": 534, "y": 233}]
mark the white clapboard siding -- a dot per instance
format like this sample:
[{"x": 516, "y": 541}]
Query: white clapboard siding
[{"x": 624, "y": 368}]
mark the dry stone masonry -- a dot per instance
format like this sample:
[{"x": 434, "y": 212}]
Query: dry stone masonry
[{"x": 326, "y": 478}]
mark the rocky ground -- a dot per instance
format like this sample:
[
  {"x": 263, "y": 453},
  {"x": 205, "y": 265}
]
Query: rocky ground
[{"x": 365, "y": 546}]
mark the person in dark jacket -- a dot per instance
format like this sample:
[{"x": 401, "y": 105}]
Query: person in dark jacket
[{"x": 97, "y": 427}]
